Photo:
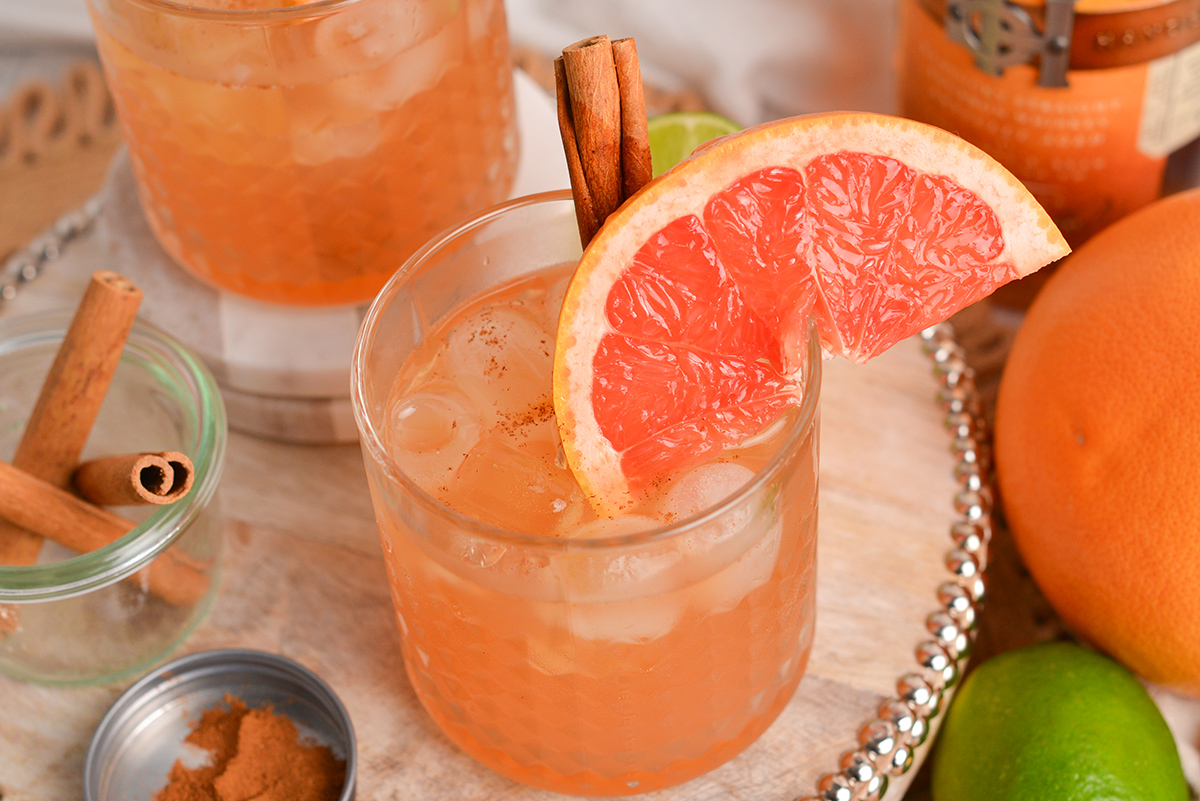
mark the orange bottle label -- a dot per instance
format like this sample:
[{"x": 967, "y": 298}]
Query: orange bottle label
[{"x": 1091, "y": 152}]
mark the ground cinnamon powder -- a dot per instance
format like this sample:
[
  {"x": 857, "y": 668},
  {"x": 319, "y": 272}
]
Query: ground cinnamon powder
[{"x": 256, "y": 755}]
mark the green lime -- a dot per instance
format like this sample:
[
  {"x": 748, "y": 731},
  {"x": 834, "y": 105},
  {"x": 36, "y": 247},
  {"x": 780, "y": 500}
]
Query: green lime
[
  {"x": 674, "y": 136},
  {"x": 1055, "y": 721}
]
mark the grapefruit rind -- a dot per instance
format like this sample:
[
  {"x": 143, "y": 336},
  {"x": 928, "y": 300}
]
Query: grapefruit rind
[{"x": 1030, "y": 241}]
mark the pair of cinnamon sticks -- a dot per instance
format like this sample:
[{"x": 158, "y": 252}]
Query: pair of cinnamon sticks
[
  {"x": 35, "y": 501},
  {"x": 602, "y": 121}
]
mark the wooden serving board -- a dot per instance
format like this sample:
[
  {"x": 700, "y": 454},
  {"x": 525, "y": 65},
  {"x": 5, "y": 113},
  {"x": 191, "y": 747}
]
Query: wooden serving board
[{"x": 303, "y": 576}]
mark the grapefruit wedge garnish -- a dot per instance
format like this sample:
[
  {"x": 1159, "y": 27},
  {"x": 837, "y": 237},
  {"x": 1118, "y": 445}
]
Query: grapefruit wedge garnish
[{"x": 673, "y": 338}]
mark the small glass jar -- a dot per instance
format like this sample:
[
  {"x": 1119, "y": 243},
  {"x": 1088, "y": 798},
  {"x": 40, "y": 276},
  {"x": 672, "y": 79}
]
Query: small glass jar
[{"x": 91, "y": 618}]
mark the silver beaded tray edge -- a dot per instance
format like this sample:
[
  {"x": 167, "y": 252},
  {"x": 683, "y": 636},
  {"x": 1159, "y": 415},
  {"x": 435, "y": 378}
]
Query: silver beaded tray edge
[{"x": 887, "y": 743}]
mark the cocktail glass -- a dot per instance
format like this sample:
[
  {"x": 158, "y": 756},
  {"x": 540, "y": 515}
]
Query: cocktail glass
[
  {"x": 299, "y": 152},
  {"x": 610, "y": 657}
]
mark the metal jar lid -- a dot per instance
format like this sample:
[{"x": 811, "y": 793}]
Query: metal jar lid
[{"x": 142, "y": 735}]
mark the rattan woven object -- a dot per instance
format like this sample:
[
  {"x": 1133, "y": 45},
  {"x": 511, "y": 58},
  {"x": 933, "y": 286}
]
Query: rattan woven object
[{"x": 56, "y": 141}]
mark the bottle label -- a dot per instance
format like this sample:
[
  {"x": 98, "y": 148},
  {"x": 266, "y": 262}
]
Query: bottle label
[
  {"x": 1171, "y": 107},
  {"x": 1075, "y": 148}
]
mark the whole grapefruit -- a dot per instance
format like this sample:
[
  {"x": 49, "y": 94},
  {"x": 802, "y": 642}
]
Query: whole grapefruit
[{"x": 1097, "y": 441}]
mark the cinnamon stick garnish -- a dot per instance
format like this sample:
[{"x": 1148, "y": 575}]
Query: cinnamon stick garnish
[
  {"x": 595, "y": 99},
  {"x": 636, "y": 170},
  {"x": 134, "y": 479},
  {"x": 39, "y": 506},
  {"x": 71, "y": 395},
  {"x": 602, "y": 120},
  {"x": 585, "y": 210}
]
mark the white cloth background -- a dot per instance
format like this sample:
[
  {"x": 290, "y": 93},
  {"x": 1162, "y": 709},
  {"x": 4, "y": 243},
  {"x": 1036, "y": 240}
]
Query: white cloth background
[
  {"x": 66, "y": 19},
  {"x": 752, "y": 60}
]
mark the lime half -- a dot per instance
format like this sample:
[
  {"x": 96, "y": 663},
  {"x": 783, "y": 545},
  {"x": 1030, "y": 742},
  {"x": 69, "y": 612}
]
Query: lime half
[{"x": 674, "y": 136}]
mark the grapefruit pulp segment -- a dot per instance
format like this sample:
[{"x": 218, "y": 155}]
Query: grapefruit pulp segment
[
  {"x": 682, "y": 329},
  {"x": 687, "y": 366}
]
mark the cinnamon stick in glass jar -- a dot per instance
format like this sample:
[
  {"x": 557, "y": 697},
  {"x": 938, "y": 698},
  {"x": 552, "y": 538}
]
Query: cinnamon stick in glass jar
[
  {"x": 71, "y": 396},
  {"x": 41, "y": 508},
  {"x": 68, "y": 403},
  {"x": 134, "y": 479}
]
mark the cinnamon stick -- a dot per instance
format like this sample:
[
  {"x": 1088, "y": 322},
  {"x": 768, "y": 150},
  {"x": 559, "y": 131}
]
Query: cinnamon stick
[
  {"x": 636, "y": 170},
  {"x": 41, "y": 507},
  {"x": 134, "y": 479},
  {"x": 71, "y": 396},
  {"x": 602, "y": 120},
  {"x": 595, "y": 100},
  {"x": 585, "y": 210}
]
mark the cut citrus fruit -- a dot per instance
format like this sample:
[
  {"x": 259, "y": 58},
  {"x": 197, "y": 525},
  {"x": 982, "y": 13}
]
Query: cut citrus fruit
[
  {"x": 673, "y": 136},
  {"x": 673, "y": 338}
]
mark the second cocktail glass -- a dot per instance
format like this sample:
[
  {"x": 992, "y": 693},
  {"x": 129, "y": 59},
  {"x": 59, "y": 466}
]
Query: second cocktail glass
[
  {"x": 576, "y": 654},
  {"x": 299, "y": 152}
]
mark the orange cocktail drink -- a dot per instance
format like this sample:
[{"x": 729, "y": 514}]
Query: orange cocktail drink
[
  {"x": 298, "y": 152},
  {"x": 577, "y": 653}
]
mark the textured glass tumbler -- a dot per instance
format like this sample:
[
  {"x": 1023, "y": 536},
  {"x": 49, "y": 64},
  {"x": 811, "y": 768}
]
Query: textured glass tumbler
[
  {"x": 298, "y": 153},
  {"x": 588, "y": 666},
  {"x": 95, "y": 617}
]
